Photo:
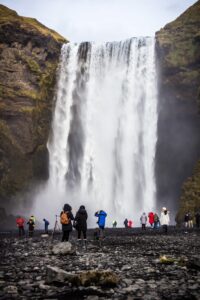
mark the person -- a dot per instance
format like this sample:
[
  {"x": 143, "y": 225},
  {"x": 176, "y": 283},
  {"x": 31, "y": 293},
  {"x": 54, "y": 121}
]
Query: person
[
  {"x": 66, "y": 217},
  {"x": 156, "y": 221},
  {"x": 81, "y": 224},
  {"x": 151, "y": 219},
  {"x": 190, "y": 220},
  {"x": 126, "y": 223},
  {"x": 46, "y": 224},
  {"x": 197, "y": 219},
  {"x": 143, "y": 220},
  {"x": 101, "y": 222},
  {"x": 31, "y": 227},
  {"x": 164, "y": 219},
  {"x": 114, "y": 224},
  {"x": 186, "y": 219},
  {"x": 130, "y": 224},
  {"x": 20, "y": 224},
  {"x": 33, "y": 218}
]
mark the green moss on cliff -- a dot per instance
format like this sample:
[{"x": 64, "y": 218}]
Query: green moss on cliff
[
  {"x": 29, "y": 59},
  {"x": 12, "y": 160},
  {"x": 5, "y": 133},
  {"x": 9, "y": 16},
  {"x": 178, "y": 45},
  {"x": 190, "y": 199},
  {"x": 33, "y": 66},
  {"x": 47, "y": 79}
]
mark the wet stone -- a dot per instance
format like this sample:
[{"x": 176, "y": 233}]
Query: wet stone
[{"x": 34, "y": 272}]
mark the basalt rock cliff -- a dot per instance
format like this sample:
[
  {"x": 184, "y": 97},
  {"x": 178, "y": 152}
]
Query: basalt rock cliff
[
  {"x": 178, "y": 148},
  {"x": 29, "y": 56}
]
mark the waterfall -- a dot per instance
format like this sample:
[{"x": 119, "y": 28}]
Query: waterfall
[{"x": 104, "y": 130}]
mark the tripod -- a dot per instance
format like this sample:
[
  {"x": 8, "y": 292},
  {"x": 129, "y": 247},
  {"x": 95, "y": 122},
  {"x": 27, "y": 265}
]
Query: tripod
[{"x": 56, "y": 227}]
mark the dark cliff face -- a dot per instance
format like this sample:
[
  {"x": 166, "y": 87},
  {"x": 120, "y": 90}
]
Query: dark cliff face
[
  {"x": 178, "y": 147},
  {"x": 29, "y": 56}
]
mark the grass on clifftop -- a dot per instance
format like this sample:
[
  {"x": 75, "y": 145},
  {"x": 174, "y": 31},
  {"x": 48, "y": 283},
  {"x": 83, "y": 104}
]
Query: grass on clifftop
[
  {"x": 8, "y": 16},
  {"x": 181, "y": 38}
]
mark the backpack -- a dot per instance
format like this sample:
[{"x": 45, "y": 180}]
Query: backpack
[
  {"x": 155, "y": 218},
  {"x": 64, "y": 218}
]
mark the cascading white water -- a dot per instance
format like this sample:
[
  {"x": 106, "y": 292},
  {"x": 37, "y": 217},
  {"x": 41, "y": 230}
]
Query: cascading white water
[{"x": 104, "y": 130}]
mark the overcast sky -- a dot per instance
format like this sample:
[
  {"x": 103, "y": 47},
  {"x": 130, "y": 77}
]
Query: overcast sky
[{"x": 101, "y": 20}]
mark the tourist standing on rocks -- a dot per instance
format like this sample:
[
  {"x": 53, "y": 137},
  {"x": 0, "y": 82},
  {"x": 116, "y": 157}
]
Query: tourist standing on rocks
[
  {"x": 126, "y": 223},
  {"x": 190, "y": 220},
  {"x": 186, "y": 219},
  {"x": 151, "y": 219},
  {"x": 130, "y": 224},
  {"x": 156, "y": 221},
  {"x": 20, "y": 224},
  {"x": 31, "y": 227},
  {"x": 81, "y": 224},
  {"x": 101, "y": 222},
  {"x": 46, "y": 224},
  {"x": 143, "y": 220},
  {"x": 197, "y": 218},
  {"x": 164, "y": 219},
  {"x": 114, "y": 224},
  {"x": 66, "y": 217}
]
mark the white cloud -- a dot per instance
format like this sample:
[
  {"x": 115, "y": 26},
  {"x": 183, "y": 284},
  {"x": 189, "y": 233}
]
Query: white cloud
[{"x": 101, "y": 20}]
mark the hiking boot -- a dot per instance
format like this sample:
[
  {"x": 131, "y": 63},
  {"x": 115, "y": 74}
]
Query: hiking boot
[
  {"x": 79, "y": 243},
  {"x": 85, "y": 243}
]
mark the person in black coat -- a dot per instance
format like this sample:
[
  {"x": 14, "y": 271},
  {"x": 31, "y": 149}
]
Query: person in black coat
[
  {"x": 126, "y": 223},
  {"x": 197, "y": 217},
  {"x": 31, "y": 226},
  {"x": 66, "y": 228},
  {"x": 81, "y": 222}
]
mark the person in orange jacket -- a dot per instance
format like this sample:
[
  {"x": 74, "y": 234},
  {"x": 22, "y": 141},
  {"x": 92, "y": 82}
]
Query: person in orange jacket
[{"x": 20, "y": 224}]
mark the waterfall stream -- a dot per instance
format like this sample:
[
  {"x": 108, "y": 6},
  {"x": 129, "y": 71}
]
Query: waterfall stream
[{"x": 104, "y": 131}]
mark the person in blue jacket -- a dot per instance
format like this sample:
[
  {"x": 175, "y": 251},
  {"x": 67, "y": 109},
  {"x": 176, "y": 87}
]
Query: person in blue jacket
[
  {"x": 46, "y": 224},
  {"x": 101, "y": 221}
]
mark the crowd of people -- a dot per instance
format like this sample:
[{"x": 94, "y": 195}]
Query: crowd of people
[
  {"x": 79, "y": 222},
  {"x": 188, "y": 220},
  {"x": 153, "y": 219},
  {"x": 20, "y": 221}
]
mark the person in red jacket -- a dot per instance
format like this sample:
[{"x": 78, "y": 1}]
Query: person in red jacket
[
  {"x": 20, "y": 224},
  {"x": 130, "y": 224},
  {"x": 151, "y": 218}
]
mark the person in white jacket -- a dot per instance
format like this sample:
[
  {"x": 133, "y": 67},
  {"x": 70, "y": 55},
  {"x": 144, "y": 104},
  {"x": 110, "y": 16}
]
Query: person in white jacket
[{"x": 164, "y": 219}]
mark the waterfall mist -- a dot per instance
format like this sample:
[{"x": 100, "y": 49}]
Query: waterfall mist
[{"x": 104, "y": 131}]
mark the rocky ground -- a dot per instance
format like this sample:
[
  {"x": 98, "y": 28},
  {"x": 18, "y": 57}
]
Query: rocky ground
[{"x": 129, "y": 265}]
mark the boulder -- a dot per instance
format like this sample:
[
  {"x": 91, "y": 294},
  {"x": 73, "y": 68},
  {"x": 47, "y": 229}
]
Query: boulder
[
  {"x": 65, "y": 248},
  {"x": 55, "y": 274},
  {"x": 104, "y": 278},
  {"x": 44, "y": 236}
]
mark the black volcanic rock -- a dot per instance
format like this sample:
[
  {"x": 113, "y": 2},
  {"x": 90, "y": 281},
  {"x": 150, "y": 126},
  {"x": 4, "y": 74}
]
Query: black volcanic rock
[
  {"x": 130, "y": 265},
  {"x": 178, "y": 146},
  {"x": 29, "y": 56}
]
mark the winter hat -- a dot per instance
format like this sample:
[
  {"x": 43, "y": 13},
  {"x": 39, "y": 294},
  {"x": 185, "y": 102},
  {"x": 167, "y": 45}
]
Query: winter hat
[{"x": 164, "y": 208}]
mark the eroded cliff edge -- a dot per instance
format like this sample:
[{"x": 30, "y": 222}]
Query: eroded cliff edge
[
  {"x": 178, "y": 148},
  {"x": 29, "y": 56}
]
